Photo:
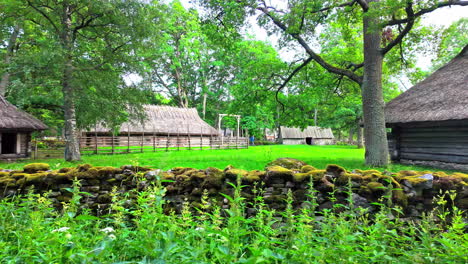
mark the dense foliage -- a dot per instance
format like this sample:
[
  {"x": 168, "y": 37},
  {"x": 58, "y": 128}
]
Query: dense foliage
[{"x": 33, "y": 232}]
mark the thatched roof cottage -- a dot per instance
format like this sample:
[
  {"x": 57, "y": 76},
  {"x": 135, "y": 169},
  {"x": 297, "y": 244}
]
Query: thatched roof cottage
[
  {"x": 16, "y": 127},
  {"x": 163, "y": 120},
  {"x": 311, "y": 135},
  {"x": 430, "y": 120}
]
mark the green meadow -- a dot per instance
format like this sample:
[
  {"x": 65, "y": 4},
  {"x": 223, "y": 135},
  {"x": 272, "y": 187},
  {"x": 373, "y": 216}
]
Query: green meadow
[{"x": 253, "y": 158}]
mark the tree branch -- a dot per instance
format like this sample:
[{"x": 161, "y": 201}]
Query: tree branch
[
  {"x": 411, "y": 16},
  {"x": 425, "y": 11},
  {"x": 330, "y": 68},
  {"x": 45, "y": 16}
]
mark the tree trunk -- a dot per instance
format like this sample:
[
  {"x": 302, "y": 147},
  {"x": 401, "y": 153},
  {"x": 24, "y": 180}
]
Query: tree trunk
[
  {"x": 204, "y": 105},
  {"x": 315, "y": 116},
  {"x": 372, "y": 96},
  {"x": 72, "y": 148},
  {"x": 5, "y": 81},
  {"x": 359, "y": 135},
  {"x": 351, "y": 135}
]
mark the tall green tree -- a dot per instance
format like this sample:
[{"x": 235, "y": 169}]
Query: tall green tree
[
  {"x": 299, "y": 20},
  {"x": 89, "y": 36}
]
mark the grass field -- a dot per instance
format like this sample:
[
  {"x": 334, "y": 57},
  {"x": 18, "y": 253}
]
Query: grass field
[{"x": 253, "y": 158}]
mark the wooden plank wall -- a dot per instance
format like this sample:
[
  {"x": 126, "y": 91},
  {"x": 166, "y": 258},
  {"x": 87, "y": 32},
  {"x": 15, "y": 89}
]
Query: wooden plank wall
[{"x": 445, "y": 144}]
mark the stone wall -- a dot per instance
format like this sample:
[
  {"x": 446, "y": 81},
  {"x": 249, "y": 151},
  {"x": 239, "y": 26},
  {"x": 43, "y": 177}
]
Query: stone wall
[{"x": 413, "y": 191}]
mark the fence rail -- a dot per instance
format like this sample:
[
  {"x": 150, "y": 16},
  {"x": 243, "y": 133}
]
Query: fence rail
[{"x": 137, "y": 144}]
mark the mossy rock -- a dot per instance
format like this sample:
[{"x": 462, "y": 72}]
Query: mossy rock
[
  {"x": 36, "y": 167},
  {"x": 335, "y": 170},
  {"x": 345, "y": 177},
  {"x": 233, "y": 173},
  {"x": 307, "y": 168},
  {"x": 83, "y": 167},
  {"x": 33, "y": 179},
  {"x": 168, "y": 176},
  {"x": 214, "y": 178},
  {"x": 65, "y": 170},
  {"x": 288, "y": 163},
  {"x": 315, "y": 175},
  {"x": 181, "y": 170},
  {"x": 376, "y": 186},
  {"x": 400, "y": 197},
  {"x": 367, "y": 172},
  {"x": 278, "y": 172},
  {"x": 7, "y": 181},
  {"x": 254, "y": 176},
  {"x": 18, "y": 176}
]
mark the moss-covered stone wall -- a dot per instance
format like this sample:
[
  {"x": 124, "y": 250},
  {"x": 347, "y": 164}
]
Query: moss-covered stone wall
[{"x": 412, "y": 191}]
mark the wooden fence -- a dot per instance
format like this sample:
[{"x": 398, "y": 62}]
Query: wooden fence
[{"x": 139, "y": 144}]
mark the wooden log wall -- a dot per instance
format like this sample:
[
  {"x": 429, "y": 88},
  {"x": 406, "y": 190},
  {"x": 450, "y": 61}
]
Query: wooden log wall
[{"x": 444, "y": 144}]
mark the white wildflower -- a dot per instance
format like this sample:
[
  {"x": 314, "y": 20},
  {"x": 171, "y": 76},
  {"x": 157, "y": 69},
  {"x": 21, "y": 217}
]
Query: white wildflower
[
  {"x": 112, "y": 237},
  {"x": 108, "y": 230},
  {"x": 62, "y": 229},
  {"x": 199, "y": 229}
]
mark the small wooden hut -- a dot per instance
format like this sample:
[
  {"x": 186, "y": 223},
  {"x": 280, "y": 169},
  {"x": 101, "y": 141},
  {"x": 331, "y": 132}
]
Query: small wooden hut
[
  {"x": 162, "y": 121},
  {"x": 429, "y": 121},
  {"x": 16, "y": 127},
  {"x": 311, "y": 135}
]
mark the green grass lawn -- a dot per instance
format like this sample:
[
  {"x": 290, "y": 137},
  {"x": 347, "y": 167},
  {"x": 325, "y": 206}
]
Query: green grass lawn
[{"x": 253, "y": 158}]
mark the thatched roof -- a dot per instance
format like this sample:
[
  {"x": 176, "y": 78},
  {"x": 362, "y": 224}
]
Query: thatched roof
[
  {"x": 11, "y": 118},
  {"x": 311, "y": 131},
  {"x": 440, "y": 97},
  {"x": 164, "y": 120}
]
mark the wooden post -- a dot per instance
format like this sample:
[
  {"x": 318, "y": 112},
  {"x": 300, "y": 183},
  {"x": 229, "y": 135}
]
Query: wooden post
[
  {"x": 112, "y": 138},
  {"x": 178, "y": 140},
  {"x": 201, "y": 138},
  {"x": 211, "y": 141},
  {"x": 95, "y": 140},
  {"x": 35, "y": 149},
  {"x": 167, "y": 142},
  {"x": 188, "y": 134},
  {"x": 128, "y": 139},
  {"x": 154, "y": 141},
  {"x": 142, "y": 139}
]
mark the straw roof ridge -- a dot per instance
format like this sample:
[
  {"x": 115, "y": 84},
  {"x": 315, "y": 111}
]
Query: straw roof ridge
[
  {"x": 167, "y": 120},
  {"x": 442, "y": 96},
  {"x": 310, "y": 131},
  {"x": 11, "y": 118}
]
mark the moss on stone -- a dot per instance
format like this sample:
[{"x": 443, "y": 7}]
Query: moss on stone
[
  {"x": 254, "y": 176},
  {"x": 335, "y": 170},
  {"x": 414, "y": 180},
  {"x": 288, "y": 163},
  {"x": 36, "y": 167},
  {"x": 233, "y": 173},
  {"x": 345, "y": 177},
  {"x": 375, "y": 186},
  {"x": 168, "y": 176},
  {"x": 307, "y": 168},
  {"x": 301, "y": 177},
  {"x": 368, "y": 172},
  {"x": 7, "y": 181},
  {"x": 400, "y": 197},
  {"x": 181, "y": 170},
  {"x": 214, "y": 178},
  {"x": 278, "y": 172},
  {"x": 83, "y": 167},
  {"x": 65, "y": 170}
]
